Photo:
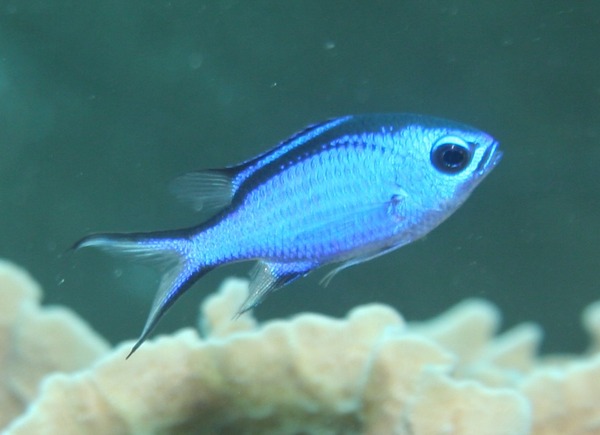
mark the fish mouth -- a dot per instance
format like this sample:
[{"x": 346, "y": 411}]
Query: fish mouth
[{"x": 491, "y": 157}]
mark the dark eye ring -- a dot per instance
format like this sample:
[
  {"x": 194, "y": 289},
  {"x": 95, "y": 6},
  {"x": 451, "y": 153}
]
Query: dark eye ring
[{"x": 450, "y": 155}]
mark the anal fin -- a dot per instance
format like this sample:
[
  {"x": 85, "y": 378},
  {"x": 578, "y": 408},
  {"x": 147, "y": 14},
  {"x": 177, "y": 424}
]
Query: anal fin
[{"x": 267, "y": 277}]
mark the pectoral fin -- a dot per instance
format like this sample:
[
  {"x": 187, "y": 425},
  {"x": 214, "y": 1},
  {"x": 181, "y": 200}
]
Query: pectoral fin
[{"x": 352, "y": 218}]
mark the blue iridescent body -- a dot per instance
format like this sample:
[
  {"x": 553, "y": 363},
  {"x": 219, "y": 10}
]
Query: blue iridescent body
[{"x": 340, "y": 192}]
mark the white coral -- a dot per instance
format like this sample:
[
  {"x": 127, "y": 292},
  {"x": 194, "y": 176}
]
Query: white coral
[{"x": 367, "y": 373}]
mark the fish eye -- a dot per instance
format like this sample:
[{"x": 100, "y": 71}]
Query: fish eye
[{"x": 450, "y": 155}]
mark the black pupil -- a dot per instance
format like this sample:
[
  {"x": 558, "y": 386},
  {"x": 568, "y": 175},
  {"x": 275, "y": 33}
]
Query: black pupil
[
  {"x": 450, "y": 158},
  {"x": 453, "y": 156}
]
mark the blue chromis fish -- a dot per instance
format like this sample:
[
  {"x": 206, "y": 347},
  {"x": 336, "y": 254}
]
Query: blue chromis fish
[{"x": 339, "y": 192}]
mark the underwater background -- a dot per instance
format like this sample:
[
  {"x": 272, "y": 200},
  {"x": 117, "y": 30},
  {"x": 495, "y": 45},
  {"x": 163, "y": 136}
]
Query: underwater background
[{"x": 102, "y": 103}]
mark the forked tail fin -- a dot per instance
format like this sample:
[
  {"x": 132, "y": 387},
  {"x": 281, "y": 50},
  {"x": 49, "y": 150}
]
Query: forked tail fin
[{"x": 174, "y": 257}]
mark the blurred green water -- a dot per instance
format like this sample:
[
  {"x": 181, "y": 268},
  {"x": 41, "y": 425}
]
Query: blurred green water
[{"x": 103, "y": 102}]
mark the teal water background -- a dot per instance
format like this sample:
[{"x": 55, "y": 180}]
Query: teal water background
[{"x": 103, "y": 102}]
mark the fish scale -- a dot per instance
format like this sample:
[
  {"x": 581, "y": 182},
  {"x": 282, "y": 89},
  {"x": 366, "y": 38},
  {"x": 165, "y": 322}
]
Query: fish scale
[
  {"x": 340, "y": 192},
  {"x": 286, "y": 215}
]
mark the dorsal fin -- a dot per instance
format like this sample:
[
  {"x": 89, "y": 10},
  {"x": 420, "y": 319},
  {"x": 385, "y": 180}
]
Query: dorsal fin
[
  {"x": 212, "y": 189},
  {"x": 244, "y": 170},
  {"x": 209, "y": 189}
]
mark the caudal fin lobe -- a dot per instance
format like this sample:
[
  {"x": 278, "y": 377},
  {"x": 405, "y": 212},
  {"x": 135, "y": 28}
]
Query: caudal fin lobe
[{"x": 171, "y": 256}]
